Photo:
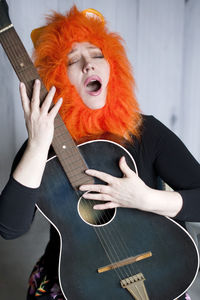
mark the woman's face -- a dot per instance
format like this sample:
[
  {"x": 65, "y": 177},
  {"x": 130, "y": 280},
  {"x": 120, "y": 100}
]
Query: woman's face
[{"x": 89, "y": 72}]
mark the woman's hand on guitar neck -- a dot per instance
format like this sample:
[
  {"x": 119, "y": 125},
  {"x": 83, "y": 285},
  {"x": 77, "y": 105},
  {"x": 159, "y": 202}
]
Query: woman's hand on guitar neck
[
  {"x": 40, "y": 127},
  {"x": 131, "y": 192},
  {"x": 39, "y": 120}
]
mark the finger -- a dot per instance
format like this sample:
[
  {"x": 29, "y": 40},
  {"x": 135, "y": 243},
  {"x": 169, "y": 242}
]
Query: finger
[
  {"x": 48, "y": 100},
  {"x": 101, "y": 197},
  {"x": 24, "y": 98},
  {"x": 35, "y": 101},
  {"x": 101, "y": 175},
  {"x": 100, "y": 188},
  {"x": 107, "y": 205},
  {"x": 125, "y": 168},
  {"x": 53, "y": 112}
]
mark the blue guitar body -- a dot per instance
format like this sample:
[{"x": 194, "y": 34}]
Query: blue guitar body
[{"x": 121, "y": 234}]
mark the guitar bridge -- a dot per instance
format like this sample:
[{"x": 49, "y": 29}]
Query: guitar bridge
[{"x": 135, "y": 286}]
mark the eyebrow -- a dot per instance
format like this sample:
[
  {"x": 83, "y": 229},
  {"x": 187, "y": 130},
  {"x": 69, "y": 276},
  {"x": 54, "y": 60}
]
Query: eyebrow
[{"x": 89, "y": 47}]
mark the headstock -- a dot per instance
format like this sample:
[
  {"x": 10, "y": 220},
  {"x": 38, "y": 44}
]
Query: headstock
[{"x": 4, "y": 15}]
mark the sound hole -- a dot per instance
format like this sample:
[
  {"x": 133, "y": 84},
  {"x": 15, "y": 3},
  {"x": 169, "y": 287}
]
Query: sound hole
[{"x": 92, "y": 216}]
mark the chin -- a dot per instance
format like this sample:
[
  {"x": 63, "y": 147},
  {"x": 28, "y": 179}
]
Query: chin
[
  {"x": 96, "y": 106},
  {"x": 94, "y": 103}
]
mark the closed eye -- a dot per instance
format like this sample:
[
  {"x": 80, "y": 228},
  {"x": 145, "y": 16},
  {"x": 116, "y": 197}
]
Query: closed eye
[
  {"x": 72, "y": 61},
  {"x": 76, "y": 59},
  {"x": 98, "y": 56}
]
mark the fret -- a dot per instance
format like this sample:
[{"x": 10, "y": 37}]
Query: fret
[
  {"x": 58, "y": 122},
  {"x": 68, "y": 157},
  {"x": 73, "y": 166},
  {"x": 63, "y": 144},
  {"x": 69, "y": 164},
  {"x": 61, "y": 131}
]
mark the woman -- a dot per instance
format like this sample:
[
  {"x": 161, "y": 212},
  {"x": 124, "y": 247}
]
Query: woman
[{"x": 80, "y": 61}]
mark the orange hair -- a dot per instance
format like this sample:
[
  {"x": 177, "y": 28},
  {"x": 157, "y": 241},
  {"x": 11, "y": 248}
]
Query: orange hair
[{"x": 120, "y": 115}]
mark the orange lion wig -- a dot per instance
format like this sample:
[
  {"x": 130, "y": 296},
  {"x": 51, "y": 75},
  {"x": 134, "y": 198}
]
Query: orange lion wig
[{"x": 120, "y": 115}]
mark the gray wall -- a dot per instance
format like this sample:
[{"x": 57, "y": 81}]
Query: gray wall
[{"x": 163, "y": 44}]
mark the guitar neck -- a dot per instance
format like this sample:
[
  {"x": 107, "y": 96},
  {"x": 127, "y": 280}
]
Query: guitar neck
[
  {"x": 20, "y": 61},
  {"x": 63, "y": 144}
]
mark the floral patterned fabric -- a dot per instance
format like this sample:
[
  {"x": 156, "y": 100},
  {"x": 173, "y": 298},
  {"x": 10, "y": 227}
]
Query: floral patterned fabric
[
  {"x": 187, "y": 297},
  {"x": 41, "y": 287}
]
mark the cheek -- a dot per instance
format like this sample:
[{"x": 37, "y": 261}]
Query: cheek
[
  {"x": 72, "y": 76},
  {"x": 107, "y": 72}
]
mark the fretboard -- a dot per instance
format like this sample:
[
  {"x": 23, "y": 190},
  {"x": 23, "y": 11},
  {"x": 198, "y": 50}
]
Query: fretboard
[{"x": 63, "y": 144}]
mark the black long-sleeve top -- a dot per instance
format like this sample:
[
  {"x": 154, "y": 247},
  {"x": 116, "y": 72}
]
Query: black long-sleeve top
[{"x": 158, "y": 154}]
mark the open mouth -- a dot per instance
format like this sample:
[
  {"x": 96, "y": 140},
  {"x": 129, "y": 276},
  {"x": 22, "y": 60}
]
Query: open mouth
[{"x": 93, "y": 85}]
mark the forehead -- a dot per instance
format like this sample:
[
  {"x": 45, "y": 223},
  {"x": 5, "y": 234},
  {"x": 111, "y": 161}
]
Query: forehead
[{"x": 82, "y": 47}]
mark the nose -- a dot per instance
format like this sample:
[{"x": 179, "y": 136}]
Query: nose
[{"x": 87, "y": 66}]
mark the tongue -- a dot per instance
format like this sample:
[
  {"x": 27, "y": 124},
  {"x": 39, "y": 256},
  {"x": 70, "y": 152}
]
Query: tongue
[{"x": 93, "y": 86}]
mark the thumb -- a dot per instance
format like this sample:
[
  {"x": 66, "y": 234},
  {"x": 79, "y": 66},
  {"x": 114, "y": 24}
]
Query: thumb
[{"x": 125, "y": 168}]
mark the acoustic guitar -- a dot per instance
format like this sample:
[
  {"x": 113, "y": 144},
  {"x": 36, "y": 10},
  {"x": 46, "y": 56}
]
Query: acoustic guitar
[{"x": 113, "y": 254}]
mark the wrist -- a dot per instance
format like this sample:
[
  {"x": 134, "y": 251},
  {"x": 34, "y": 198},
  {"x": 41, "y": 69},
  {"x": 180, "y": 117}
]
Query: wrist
[
  {"x": 167, "y": 203},
  {"x": 147, "y": 199},
  {"x": 37, "y": 149}
]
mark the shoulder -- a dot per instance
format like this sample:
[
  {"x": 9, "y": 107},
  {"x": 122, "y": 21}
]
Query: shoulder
[
  {"x": 155, "y": 130},
  {"x": 157, "y": 137},
  {"x": 151, "y": 124},
  {"x": 151, "y": 129}
]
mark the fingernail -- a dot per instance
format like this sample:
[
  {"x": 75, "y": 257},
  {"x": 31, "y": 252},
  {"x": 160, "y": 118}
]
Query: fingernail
[
  {"x": 88, "y": 171},
  {"x": 37, "y": 81}
]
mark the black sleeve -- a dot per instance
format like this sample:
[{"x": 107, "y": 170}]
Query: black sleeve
[
  {"x": 180, "y": 170},
  {"x": 17, "y": 205}
]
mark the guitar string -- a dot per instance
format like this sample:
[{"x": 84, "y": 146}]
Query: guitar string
[
  {"x": 122, "y": 268},
  {"x": 129, "y": 270},
  {"x": 117, "y": 244},
  {"x": 113, "y": 257},
  {"x": 102, "y": 238},
  {"x": 125, "y": 251},
  {"x": 13, "y": 53},
  {"x": 103, "y": 242},
  {"x": 120, "y": 243}
]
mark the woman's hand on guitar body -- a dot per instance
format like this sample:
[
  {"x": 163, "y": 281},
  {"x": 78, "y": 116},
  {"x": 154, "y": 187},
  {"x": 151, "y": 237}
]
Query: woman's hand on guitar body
[
  {"x": 128, "y": 191},
  {"x": 131, "y": 192},
  {"x": 40, "y": 127}
]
